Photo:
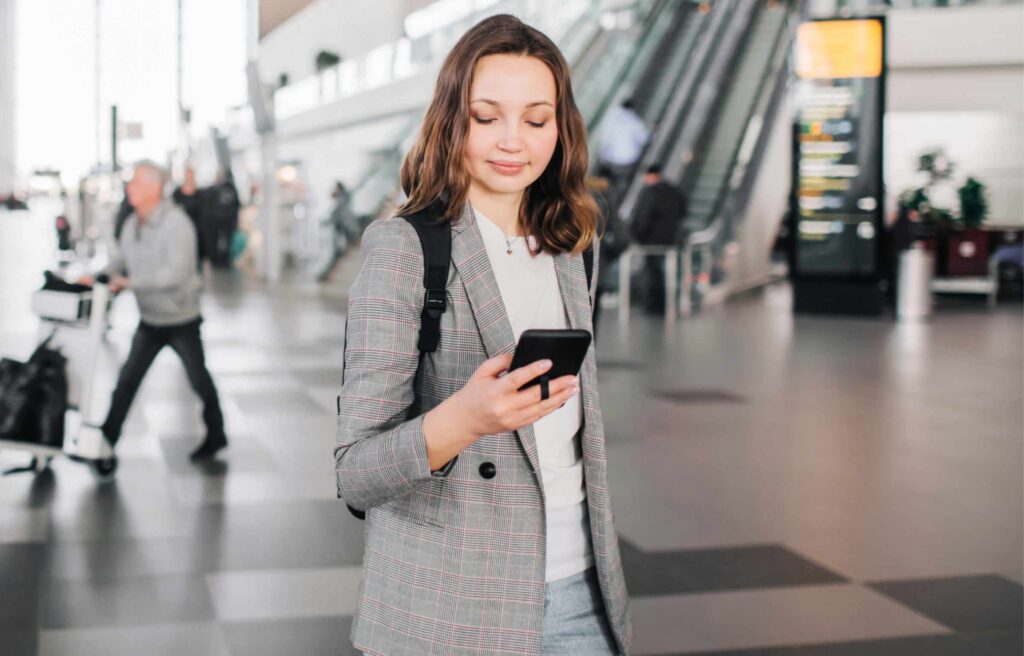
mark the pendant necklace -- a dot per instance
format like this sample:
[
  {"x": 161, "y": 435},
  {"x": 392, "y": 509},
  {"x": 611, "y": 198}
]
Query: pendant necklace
[{"x": 508, "y": 244}]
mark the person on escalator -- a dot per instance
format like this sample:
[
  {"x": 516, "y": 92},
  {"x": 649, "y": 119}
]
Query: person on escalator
[
  {"x": 623, "y": 139},
  {"x": 657, "y": 221}
]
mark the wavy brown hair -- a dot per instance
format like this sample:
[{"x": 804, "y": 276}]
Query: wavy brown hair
[{"x": 557, "y": 208}]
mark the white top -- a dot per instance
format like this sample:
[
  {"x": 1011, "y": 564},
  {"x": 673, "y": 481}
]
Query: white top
[
  {"x": 623, "y": 137},
  {"x": 533, "y": 299}
]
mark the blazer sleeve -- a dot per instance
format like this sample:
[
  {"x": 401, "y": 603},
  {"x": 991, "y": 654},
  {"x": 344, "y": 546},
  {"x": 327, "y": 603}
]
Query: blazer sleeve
[{"x": 380, "y": 453}]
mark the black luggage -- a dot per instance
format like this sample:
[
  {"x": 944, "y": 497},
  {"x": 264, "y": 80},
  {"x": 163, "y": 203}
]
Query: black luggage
[{"x": 34, "y": 398}]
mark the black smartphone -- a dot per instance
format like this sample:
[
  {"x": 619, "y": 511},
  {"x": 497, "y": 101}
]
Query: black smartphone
[{"x": 566, "y": 349}]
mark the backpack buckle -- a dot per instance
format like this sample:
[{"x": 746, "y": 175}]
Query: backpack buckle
[{"x": 435, "y": 304}]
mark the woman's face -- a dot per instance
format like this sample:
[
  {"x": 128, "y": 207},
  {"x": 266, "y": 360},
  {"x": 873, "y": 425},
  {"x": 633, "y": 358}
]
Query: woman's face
[{"x": 512, "y": 126}]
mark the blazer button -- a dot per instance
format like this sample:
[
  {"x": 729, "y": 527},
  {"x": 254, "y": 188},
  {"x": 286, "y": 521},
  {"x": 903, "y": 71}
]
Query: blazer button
[{"x": 488, "y": 470}]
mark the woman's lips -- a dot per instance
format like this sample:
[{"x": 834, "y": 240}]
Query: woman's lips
[{"x": 507, "y": 168}]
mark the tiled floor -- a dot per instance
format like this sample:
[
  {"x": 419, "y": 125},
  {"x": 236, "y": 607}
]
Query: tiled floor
[{"x": 790, "y": 486}]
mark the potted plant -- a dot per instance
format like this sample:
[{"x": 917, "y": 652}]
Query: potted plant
[
  {"x": 968, "y": 247},
  {"x": 963, "y": 246}
]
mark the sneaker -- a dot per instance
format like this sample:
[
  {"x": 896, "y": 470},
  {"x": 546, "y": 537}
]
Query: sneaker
[{"x": 209, "y": 448}]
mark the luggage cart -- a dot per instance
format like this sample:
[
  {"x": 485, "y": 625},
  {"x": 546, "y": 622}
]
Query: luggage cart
[{"x": 77, "y": 324}]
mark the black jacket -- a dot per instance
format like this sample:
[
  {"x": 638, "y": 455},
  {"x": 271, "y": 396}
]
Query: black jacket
[{"x": 660, "y": 211}]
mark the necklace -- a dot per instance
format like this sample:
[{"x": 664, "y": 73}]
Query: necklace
[{"x": 508, "y": 244}]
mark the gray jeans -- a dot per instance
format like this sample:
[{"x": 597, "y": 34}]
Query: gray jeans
[{"x": 574, "y": 618}]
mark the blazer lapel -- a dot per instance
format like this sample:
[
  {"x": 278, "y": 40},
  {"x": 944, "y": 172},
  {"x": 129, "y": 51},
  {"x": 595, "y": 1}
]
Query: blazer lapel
[
  {"x": 572, "y": 280},
  {"x": 469, "y": 255}
]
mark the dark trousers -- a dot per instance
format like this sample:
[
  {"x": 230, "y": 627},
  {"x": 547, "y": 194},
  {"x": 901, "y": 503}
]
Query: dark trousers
[
  {"x": 654, "y": 284},
  {"x": 149, "y": 340}
]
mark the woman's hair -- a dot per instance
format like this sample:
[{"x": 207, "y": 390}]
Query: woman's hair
[{"x": 557, "y": 209}]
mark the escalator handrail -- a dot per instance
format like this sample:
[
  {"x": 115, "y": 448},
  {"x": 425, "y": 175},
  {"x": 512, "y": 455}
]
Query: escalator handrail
[
  {"x": 702, "y": 53},
  {"x": 734, "y": 197},
  {"x": 712, "y": 86}
]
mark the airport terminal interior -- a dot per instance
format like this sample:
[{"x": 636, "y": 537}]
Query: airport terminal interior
[{"x": 813, "y": 394}]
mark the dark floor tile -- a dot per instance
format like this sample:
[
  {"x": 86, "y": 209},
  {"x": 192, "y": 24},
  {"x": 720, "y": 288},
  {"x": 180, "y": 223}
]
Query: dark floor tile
[
  {"x": 994, "y": 644},
  {"x": 19, "y": 608},
  {"x": 698, "y": 396},
  {"x": 979, "y": 644},
  {"x": 316, "y": 636},
  {"x": 964, "y": 603},
  {"x": 709, "y": 570},
  {"x": 156, "y": 600},
  {"x": 21, "y": 564},
  {"x": 112, "y": 560},
  {"x": 18, "y": 641},
  {"x": 752, "y": 651}
]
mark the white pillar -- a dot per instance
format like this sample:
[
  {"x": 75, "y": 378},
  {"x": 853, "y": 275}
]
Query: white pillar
[
  {"x": 8, "y": 34},
  {"x": 270, "y": 223}
]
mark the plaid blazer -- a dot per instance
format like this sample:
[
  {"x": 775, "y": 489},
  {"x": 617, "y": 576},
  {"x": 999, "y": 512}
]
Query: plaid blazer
[{"x": 454, "y": 563}]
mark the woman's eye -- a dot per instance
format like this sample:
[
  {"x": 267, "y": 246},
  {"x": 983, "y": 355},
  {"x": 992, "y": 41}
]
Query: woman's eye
[
  {"x": 484, "y": 121},
  {"x": 537, "y": 125}
]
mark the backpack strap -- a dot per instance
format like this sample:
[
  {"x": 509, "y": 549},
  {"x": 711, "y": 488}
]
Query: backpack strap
[
  {"x": 588, "y": 265},
  {"x": 436, "y": 242}
]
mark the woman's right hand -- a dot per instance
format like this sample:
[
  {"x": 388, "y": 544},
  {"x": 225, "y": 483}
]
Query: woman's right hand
[{"x": 491, "y": 403}]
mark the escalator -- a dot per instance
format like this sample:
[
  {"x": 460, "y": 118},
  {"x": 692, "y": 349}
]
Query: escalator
[
  {"x": 706, "y": 181},
  {"x": 722, "y": 113}
]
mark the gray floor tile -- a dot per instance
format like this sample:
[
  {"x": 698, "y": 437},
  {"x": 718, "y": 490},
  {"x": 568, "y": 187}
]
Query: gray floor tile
[
  {"x": 304, "y": 534},
  {"x": 708, "y": 570},
  {"x": 21, "y": 525},
  {"x": 966, "y": 603},
  {"x": 113, "y": 560},
  {"x": 241, "y": 455},
  {"x": 284, "y": 593},
  {"x": 191, "y": 638},
  {"x": 286, "y": 401},
  {"x": 316, "y": 636},
  {"x": 156, "y": 600},
  {"x": 330, "y": 377},
  {"x": 766, "y": 618}
]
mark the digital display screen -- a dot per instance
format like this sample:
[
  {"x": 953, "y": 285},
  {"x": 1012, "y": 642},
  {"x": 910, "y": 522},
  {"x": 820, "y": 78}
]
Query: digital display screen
[{"x": 838, "y": 152}]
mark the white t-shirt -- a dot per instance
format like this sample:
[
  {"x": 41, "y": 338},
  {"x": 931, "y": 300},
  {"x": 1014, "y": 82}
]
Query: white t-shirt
[{"x": 533, "y": 299}]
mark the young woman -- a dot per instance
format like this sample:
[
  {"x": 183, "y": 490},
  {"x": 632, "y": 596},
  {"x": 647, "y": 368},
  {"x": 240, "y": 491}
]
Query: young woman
[{"x": 488, "y": 524}]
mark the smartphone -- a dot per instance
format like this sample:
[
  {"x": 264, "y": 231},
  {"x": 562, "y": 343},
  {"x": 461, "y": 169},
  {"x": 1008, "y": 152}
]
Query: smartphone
[{"x": 566, "y": 349}]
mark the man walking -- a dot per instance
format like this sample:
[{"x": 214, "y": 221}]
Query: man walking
[{"x": 158, "y": 253}]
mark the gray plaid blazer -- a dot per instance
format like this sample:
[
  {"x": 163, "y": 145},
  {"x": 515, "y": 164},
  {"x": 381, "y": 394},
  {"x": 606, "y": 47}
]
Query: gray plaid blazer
[{"x": 454, "y": 563}]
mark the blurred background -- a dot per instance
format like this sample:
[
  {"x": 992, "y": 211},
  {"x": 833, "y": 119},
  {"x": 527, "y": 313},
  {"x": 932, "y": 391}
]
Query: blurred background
[{"x": 809, "y": 332}]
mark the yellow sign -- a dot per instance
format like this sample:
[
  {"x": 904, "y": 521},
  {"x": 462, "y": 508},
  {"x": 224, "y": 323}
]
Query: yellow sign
[{"x": 839, "y": 49}]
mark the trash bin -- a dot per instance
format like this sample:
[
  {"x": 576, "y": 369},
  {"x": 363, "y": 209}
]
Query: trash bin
[{"x": 914, "y": 291}]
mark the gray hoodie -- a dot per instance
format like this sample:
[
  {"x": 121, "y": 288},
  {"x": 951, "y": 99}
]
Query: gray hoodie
[{"x": 160, "y": 258}]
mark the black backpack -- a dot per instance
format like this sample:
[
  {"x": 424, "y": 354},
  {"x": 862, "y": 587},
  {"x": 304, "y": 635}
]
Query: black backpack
[{"x": 436, "y": 242}]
